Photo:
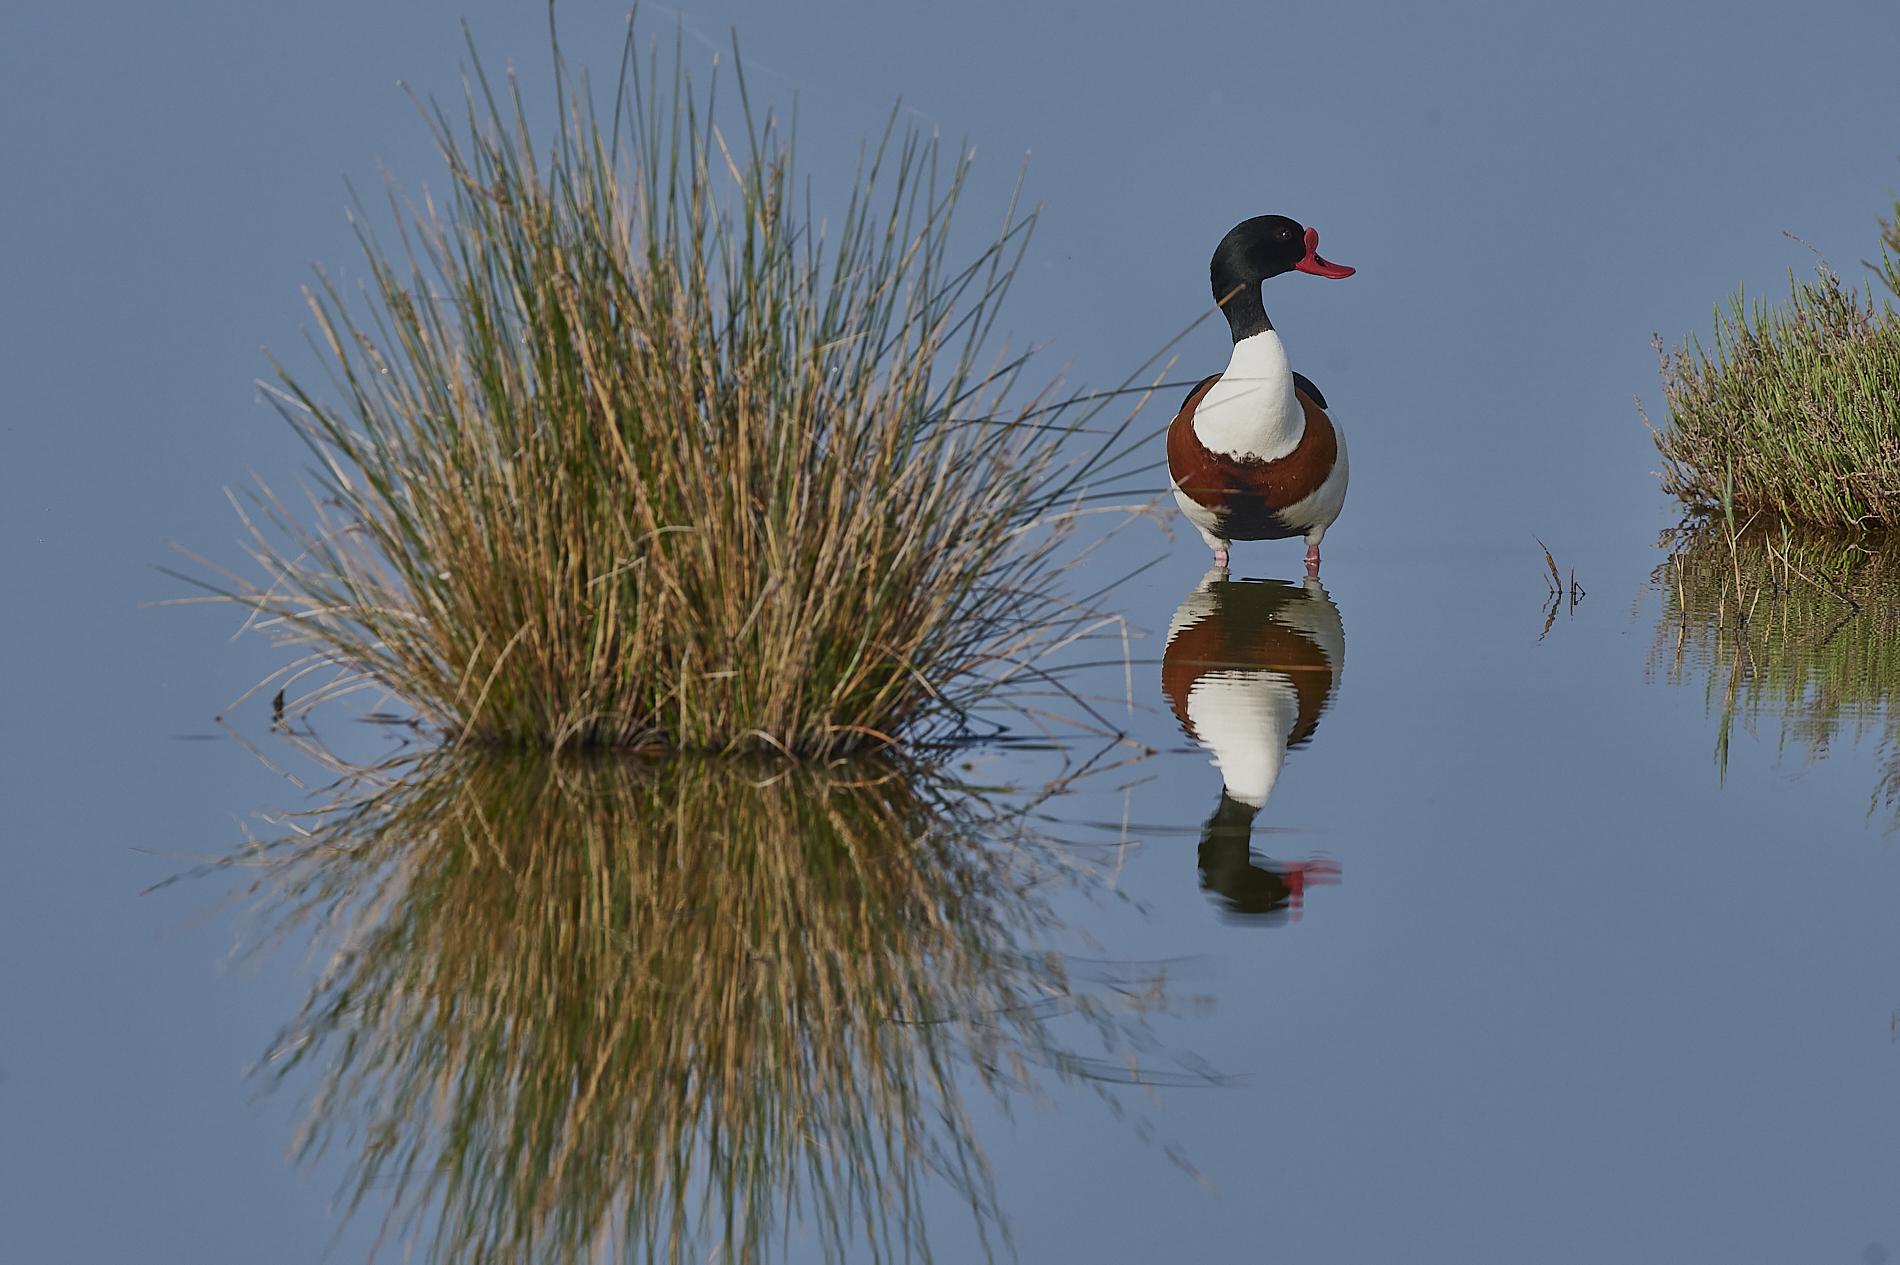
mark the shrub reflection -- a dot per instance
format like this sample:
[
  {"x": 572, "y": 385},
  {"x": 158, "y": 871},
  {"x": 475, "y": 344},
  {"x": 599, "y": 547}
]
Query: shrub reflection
[
  {"x": 602, "y": 1008},
  {"x": 1803, "y": 631}
]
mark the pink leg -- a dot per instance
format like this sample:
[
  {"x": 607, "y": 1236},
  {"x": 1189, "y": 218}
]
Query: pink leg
[
  {"x": 1312, "y": 560},
  {"x": 1220, "y": 557}
]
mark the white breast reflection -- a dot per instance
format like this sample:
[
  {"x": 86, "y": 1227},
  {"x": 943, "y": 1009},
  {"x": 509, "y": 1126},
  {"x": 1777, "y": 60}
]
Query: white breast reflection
[{"x": 1249, "y": 667}]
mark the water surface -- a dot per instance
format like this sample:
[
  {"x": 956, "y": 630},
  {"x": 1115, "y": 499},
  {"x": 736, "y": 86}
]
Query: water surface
[
  {"x": 1564, "y": 941},
  {"x": 1516, "y": 944}
]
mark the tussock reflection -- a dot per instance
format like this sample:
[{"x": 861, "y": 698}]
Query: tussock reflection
[
  {"x": 1803, "y": 631},
  {"x": 606, "y": 1009},
  {"x": 1249, "y": 667}
]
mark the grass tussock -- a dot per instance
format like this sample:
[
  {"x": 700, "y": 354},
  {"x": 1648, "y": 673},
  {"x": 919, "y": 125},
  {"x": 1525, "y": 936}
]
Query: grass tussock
[
  {"x": 587, "y": 1008},
  {"x": 622, "y": 449},
  {"x": 1800, "y": 630},
  {"x": 1795, "y": 411}
]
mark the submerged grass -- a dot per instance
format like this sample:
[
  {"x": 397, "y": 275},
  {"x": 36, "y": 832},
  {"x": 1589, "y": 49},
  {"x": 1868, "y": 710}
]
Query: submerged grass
[
  {"x": 1795, "y": 411},
  {"x": 592, "y": 1008},
  {"x": 1801, "y": 630},
  {"x": 622, "y": 449}
]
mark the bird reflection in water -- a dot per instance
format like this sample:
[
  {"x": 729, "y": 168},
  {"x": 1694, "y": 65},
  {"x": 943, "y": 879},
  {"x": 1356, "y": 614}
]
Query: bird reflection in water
[{"x": 1249, "y": 667}]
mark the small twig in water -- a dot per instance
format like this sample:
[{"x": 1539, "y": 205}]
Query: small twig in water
[{"x": 1560, "y": 594}]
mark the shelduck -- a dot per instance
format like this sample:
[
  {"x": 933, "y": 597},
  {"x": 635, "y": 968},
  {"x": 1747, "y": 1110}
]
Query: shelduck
[
  {"x": 1248, "y": 668},
  {"x": 1253, "y": 454}
]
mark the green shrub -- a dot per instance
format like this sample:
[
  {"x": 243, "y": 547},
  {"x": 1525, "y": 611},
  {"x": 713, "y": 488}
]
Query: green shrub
[
  {"x": 1795, "y": 413},
  {"x": 625, "y": 450}
]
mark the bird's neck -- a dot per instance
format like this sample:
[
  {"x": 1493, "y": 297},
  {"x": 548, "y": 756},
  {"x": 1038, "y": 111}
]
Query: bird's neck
[
  {"x": 1239, "y": 299},
  {"x": 1232, "y": 822}
]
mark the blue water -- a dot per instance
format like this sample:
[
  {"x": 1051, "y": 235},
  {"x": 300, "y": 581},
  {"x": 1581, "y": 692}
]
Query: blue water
[{"x": 1558, "y": 986}]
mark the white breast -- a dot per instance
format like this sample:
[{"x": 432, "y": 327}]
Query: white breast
[
  {"x": 1252, "y": 411},
  {"x": 1245, "y": 719}
]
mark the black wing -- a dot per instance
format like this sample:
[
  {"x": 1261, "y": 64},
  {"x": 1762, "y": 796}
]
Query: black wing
[
  {"x": 1197, "y": 386},
  {"x": 1304, "y": 383}
]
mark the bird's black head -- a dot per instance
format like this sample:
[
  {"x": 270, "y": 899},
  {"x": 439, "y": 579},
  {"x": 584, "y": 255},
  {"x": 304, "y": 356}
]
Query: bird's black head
[{"x": 1254, "y": 250}]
